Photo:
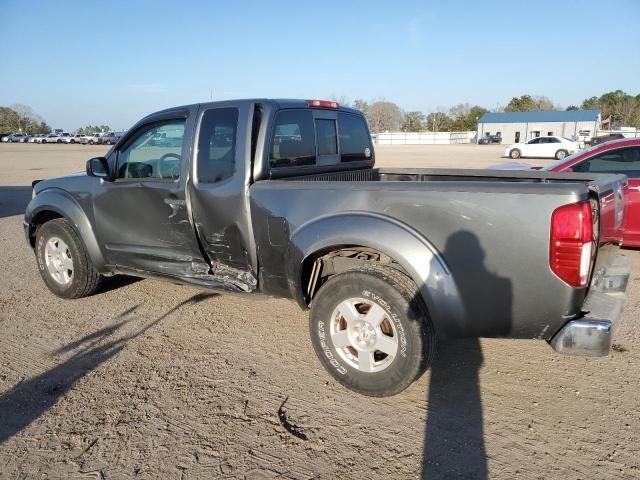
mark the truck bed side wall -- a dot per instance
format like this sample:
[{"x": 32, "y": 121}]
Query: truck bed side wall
[{"x": 488, "y": 237}]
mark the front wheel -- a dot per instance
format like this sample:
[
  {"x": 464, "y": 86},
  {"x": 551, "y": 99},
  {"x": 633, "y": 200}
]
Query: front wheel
[
  {"x": 560, "y": 154},
  {"x": 371, "y": 330},
  {"x": 63, "y": 261},
  {"x": 515, "y": 153}
]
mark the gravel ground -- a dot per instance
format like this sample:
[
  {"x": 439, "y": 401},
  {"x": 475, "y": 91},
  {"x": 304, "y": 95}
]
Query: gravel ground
[{"x": 152, "y": 380}]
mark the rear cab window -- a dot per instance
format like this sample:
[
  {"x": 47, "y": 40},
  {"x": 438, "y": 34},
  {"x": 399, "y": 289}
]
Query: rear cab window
[
  {"x": 294, "y": 140},
  {"x": 217, "y": 145},
  {"x": 318, "y": 138}
]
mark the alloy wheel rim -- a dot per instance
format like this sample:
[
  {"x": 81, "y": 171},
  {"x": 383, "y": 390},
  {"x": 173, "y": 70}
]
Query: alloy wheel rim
[
  {"x": 363, "y": 335},
  {"x": 58, "y": 260}
]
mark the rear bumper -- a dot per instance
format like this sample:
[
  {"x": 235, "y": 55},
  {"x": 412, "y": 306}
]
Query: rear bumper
[{"x": 592, "y": 334}]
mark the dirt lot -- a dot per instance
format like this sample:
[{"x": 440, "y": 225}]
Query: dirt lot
[{"x": 153, "y": 380}]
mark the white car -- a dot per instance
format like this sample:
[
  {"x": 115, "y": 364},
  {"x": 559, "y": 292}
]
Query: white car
[
  {"x": 90, "y": 138},
  {"x": 543, "y": 147},
  {"x": 51, "y": 138},
  {"x": 71, "y": 138}
]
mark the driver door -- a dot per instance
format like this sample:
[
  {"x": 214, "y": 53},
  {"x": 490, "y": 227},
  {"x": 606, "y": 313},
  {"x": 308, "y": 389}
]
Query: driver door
[
  {"x": 141, "y": 216},
  {"x": 530, "y": 148}
]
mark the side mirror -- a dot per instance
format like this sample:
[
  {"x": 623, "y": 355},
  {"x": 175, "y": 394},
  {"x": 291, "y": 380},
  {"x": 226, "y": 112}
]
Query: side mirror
[{"x": 98, "y": 167}]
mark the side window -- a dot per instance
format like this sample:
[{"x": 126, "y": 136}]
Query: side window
[
  {"x": 626, "y": 161},
  {"x": 327, "y": 137},
  {"x": 154, "y": 153},
  {"x": 553, "y": 140},
  {"x": 355, "y": 142},
  {"x": 535, "y": 141},
  {"x": 293, "y": 143},
  {"x": 217, "y": 145}
]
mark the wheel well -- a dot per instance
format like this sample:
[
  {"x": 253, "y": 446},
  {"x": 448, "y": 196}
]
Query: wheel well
[
  {"x": 318, "y": 267},
  {"x": 40, "y": 219}
]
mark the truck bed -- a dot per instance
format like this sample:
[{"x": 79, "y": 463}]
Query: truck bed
[{"x": 489, "y": 229}]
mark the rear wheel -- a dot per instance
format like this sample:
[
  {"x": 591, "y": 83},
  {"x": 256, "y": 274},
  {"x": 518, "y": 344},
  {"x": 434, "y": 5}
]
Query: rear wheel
[
  {"x": 371, "y": 330},
  {"x": 515, "y": 153},
  {"x": 63, "y": 261},
  {"x": 560, "y": 154}
]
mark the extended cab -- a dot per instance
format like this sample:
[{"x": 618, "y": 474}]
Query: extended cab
[{"x": 281, "y": 197}]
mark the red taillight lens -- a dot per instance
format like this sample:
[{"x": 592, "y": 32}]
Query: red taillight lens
[
  {"x": 571, "y": 245},
  {"x": 322, "y": 104}
]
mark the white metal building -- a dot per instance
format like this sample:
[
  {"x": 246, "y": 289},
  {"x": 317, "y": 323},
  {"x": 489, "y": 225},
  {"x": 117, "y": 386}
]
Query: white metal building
[{"x": 516, "y": 127}]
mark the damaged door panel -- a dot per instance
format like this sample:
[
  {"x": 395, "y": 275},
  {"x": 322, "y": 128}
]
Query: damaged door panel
[
  {"x": 219, "y": 205},
  {"x": 141, "y": 216}
]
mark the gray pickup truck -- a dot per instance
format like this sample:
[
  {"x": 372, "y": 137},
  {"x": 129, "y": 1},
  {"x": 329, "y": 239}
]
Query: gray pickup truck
[{"x": 281, "y": 198}]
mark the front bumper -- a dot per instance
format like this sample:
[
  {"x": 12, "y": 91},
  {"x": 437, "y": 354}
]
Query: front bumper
[{"x": 592, "y": 334}]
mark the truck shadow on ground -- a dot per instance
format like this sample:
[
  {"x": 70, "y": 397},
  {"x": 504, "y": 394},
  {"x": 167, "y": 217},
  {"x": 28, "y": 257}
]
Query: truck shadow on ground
[
  {"x": 30, "y": 399},
  {"x": 454, "y": 434}
]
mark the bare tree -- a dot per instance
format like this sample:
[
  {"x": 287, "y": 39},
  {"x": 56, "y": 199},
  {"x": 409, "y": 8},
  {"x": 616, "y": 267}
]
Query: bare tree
[{"x": 384, "y": 116}]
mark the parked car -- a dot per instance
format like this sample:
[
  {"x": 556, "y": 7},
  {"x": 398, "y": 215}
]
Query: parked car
[
  {"x": 543, "y": 147},
  {"x": 71, "y": 138},
  {"x": 487, "y": 139},
  {"x": 51, "y": 138},
  {"x": 606, "y": 138},
  {"x": 379, "y": 256},
  {"x": 90, "y": 138},
  {"x": 110, "y": 138},
  {"x": 617, "y": 156},
  {"x": 15, "y": 138}
]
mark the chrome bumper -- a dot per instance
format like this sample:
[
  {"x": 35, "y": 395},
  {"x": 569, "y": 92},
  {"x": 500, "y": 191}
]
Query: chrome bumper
[{"x": 592, "y": 334}]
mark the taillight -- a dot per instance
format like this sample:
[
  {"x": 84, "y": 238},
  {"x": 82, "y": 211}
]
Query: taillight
[
  {"x": 571, "y": 246},
  {"x": 322, "y": 104}
]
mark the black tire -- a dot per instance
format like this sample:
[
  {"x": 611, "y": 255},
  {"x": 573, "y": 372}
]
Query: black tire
[
  {"x": 43, "y": 141},
  {"x": 560, "y": 154},
  {"x": 402, "y": 303},
  {"x": 59, "y": 141},
  {"x": 90, "y": 142},
  {"x": 515, "y": 153},
  {"x": 72, "y": 141},
  {"x": 84, "y": 280}
]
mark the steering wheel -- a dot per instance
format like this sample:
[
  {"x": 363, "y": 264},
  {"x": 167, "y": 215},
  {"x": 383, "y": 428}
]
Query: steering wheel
[{"x": 169, "y": 165}]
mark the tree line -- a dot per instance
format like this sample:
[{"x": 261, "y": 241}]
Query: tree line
[
  {"x": 21, "y": 118},
  {"x": 619, "y": 109}
]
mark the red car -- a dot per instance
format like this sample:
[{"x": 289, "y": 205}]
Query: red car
[{"x": 617, "y": 156}]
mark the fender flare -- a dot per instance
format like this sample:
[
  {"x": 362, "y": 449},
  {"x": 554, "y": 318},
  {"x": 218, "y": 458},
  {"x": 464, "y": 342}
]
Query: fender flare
[
  {"x": 60, "y": 202},
  {"x": 402, "y": 243}
]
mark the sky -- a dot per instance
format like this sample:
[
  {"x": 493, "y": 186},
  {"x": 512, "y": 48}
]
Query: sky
[{"x": 90, "y": 62}]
